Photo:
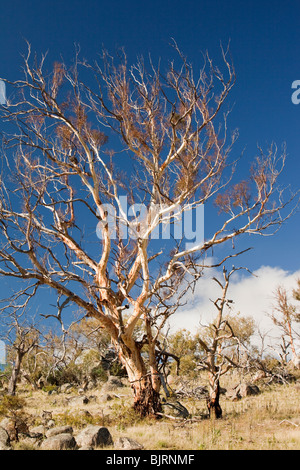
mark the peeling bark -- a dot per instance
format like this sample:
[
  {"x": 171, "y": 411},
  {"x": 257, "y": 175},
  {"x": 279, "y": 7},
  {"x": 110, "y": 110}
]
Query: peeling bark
[
  {"x": 145, "y": 385},
  {"x": 213, "y": 402}
]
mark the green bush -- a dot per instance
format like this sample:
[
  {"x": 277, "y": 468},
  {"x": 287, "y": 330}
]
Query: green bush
[
  {"x": 72, "y": 373},
  {"x": 10, "y": 405},
  {"x": 98, "y": 373}
]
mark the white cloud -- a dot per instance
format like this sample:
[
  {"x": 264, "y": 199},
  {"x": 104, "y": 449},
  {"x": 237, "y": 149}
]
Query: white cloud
[
  {"x": 252, "y": 296},
  {"x": 2, "y": 92},
  {"x": 2, "y": 353}
]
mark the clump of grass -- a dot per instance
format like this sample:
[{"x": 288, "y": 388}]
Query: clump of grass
[
  {"x": 76, "y": 420},
  {"x": 24, "y": 446},
  {"x": 161, "y": 444},
  {"x": 9, "y": 405},
  {"x": 50, "y": 388},
  {"x": 123, "y": 415}
]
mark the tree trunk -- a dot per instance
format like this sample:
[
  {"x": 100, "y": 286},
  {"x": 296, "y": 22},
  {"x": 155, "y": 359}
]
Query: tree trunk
[
  {"x": 31, "y": 381},
  {"x": 146, "y": 398},
  {"x": 145, "y": 384},
  {"x": 12, "y": 385},
  {"x": 213, "y": 401}
]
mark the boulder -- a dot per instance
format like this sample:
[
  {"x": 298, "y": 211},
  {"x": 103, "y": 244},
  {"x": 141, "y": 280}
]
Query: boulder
[
  {"x": 4, "y": 447},
  {"x": 14, "y": 427},
  {"x": 31, "y": 441},
  {"x": 233, "y": 394},
  {"x": 38, "y": 431},
  {"x": 79, "y": 400},
  {"x": 46, "y": 416},
  {"x": 106, "y": 397},
  {"x": 65, "y": 388},
  {"x": 126, "y": 443},
  {"x": 112, "y": 384},
  {"x": 241, "y": 391},
  {"x": 246, "y": 390},
  {"x": 4, "y": 439},
  {"x": 84, "y": 414},
  {"x": 59, "y": 430},
  {"x": 59, "y": 442},
  {"x": 94, "y": 436},
  {"x": 175, "y": 409}
]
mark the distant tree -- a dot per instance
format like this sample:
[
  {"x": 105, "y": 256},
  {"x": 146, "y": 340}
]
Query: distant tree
[
  {"x": 183, "y": 344},
  {"x": 296, "y": 295},
  {"x": 286, "y": 317},
  {"x": 59, "y": 172},
  {"x": 21, "y": 339},
  {"x": 220, "y": 343}
]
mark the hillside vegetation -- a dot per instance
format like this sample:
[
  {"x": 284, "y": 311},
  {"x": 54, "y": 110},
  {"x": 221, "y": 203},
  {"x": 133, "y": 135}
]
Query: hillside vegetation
[{"x": 267, "y": 421}]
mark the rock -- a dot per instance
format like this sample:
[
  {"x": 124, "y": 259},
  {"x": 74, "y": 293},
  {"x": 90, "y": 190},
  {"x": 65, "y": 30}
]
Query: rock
[
  {"x": 59, "y": 430},
  {"x": 46, "y": 416},
  {"x": 84, "y": 414},
  {"x": 7, "y": 425},
  {"x": 246, "y": 390},
  {"x": 91, "y": 385},
  {"x": 233, "y": 393},
  {"x": 94, "y": 436},
  {"x": 14, "y": 427},
  {"x": 241, "y": 391},
  {"x": 65, "y": 388},
  {"x": 176, "y": 409},
  {"x": 4, "y": 447},
  {"x": 126, "y": 443},
  {"x": 59, "y": 442},
  {"x": 32, "y": 441},
  {"x": 199, "y": 392},
  {"x": 92, "y": 398},
  {"x": 79, "y": 401},
  {"x": 4, "y": 439},
  {"x": 112, "y": 384},
  {"x": 106, "y": 397},
  {"x": 37, "y": 431}
]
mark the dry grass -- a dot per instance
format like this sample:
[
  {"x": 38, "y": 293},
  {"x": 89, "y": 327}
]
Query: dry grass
[{"x": 268, "y": 421}]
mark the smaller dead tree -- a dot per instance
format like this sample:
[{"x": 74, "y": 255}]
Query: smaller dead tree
[
  {"x": 25, "y": 340},
  {"x": 285, "y": 317},
  {"x": 218, "y": 348}
]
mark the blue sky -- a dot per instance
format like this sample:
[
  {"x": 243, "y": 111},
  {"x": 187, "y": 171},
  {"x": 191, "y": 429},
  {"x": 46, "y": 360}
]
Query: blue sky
[{"x": 264, "y": 43}]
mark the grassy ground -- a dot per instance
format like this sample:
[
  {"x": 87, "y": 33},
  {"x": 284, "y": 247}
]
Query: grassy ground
[{"x": 268, "y": 421}]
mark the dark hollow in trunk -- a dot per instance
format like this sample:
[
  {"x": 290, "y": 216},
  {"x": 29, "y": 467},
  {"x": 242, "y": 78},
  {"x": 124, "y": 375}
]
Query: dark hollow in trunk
[
  {"x": 213, "y": 403},
  {"x": 146, "y": 399}
]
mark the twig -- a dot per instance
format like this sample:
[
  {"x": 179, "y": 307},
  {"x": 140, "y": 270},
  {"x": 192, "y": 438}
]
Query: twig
[
  {"x": 289, "y": 422},
  {"x": 182, "y": 420}
]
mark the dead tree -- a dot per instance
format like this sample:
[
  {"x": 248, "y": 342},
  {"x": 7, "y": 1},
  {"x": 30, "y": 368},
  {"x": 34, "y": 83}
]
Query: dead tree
[
  {"x": 60, "y": 173},
  {"x": 285, "y": 317},
  {"x": 21, "y": 340},
  {"x": 217, "y": 359}
]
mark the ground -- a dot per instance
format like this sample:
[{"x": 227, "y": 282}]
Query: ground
[{"x": 268, "y": 421}]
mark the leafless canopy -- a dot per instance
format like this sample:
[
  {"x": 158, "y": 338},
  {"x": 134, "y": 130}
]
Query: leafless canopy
[{"x": 173, "y": 153}]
